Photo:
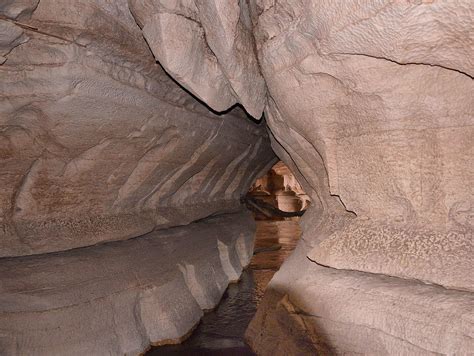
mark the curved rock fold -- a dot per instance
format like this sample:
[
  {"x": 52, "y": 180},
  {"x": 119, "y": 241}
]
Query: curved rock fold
[{"x": 370, "y": 103}]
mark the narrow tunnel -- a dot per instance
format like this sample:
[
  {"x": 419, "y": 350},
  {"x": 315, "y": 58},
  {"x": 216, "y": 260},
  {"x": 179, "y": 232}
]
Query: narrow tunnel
[
  {"x": 155, "y": 152},
  {"x": 222, "y": 330}
]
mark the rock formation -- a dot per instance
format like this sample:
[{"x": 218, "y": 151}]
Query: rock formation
[
  {"x": 370, "y": 104},
  {"x": 280, "y": 188},
  {"x": 98, "y": 144},
  {"x": 120, "y": 297}
]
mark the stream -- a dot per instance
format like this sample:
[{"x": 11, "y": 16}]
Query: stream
[{"x": 221, "y": 331}]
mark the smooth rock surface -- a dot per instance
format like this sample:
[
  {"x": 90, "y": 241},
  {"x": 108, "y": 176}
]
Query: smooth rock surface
[
  {"x": 371, "y": 105},
  {"x": 120, "y": 297},
  {"x": 393, "y": 139},
  {"x": 208, "y": 47},
  {"x": 312, "y": 310},
  {"x": 97, "y": 143}
]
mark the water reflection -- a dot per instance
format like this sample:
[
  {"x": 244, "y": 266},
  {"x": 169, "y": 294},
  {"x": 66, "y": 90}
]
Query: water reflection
[{"x": 221, "y": 331}]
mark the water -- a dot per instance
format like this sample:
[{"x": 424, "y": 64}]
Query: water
[{"x": 221, "y": 331}]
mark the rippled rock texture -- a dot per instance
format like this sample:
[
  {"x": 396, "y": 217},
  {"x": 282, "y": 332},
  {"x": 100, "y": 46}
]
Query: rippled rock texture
[
  {"x": 104, "y": 163},
  {"x": 369, "y": 112},
  {"x": 120, "y": 297},
  {"x": 97, "y": 143},
  {"x": 371, "y": 105}
]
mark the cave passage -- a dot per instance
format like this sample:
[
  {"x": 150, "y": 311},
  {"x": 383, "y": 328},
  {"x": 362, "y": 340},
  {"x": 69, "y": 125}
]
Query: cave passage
[
  {"x": 221, "y": 331},
  {"x": 131, "y": 132}
]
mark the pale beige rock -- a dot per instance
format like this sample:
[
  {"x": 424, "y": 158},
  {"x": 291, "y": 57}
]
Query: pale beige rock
[
  {"x": 228, "y": 31},
  {"x": 172, "y": 37},
  {"x": 280, "y": 188},
  {"x": 308, "y": 309},
  {"x": 208, "y": 47},
  {"x": 18, "y": 9},
  {"x": 369, "y": 103},
  {"x": 422, "y": 254},
  {"x": 98, "y": 144},
  {"x": 372, "y": 103},
  {"x": 395, "y": 140},
  {"x": 10, "y": 37},
  {"x": 120, "y": 297}
]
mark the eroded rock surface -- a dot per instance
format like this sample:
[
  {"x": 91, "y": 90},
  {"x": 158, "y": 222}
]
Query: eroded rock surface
[
  {"x": 97, "y": 143},
  {"x": 128, "y": 294},
  {"x": 208, "y": 47},
  {"x": 390, "y": 126},
  {"x": 99, "y": 147},
  {"x": 309, "y": 309},
  {"x": 280, "y": 188},
  {"x": 371, "y": 105}
]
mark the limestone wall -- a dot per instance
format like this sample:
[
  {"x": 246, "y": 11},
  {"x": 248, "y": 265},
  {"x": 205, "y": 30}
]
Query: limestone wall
[
  {"x": 119, "y": 298},
  {"x": 97, "y": 143},
  {"x": 280, "y": 188},
  {"x": 106, "y": 164},
  {"x": 370, "y": 103}
]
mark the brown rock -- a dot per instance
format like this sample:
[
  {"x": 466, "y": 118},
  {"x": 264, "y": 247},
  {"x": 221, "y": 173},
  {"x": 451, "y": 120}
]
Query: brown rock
[
  {"x": 98, "y": 144},
  {"x": 369, "y": 103},
  {"x": 120, "y": 297}
]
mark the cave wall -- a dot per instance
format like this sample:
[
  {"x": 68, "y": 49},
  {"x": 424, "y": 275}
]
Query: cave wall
[
  {"x": 121, "y": 297},
  {"x": 97, "y": 143},
  {"x": 370, "y": 104},
  {"x": 391, "y": 121},
  {"x": 280, "y": 188},
  {"x": 120, "y": 212}
]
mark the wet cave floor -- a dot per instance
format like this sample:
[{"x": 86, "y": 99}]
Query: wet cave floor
[{"x": 221, "y": 331}]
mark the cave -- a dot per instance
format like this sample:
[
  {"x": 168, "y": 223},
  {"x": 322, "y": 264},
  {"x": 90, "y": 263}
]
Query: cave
[
  {"x": 221, "y": 330},
  {"x": 135, "y": 141}
]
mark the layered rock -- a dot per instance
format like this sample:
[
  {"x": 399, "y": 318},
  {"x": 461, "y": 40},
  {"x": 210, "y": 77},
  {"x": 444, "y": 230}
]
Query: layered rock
[
  {"x": 369, "y": 103},
  {"x": 97, "y": 143},
  {"x": 371, "y": 106},
  {"x": 280, "y": 188},
  {"x": 210, "y": 40},
  {"x": 392, "y": 127},
  {"x": 105, "y": 165},
  {"x": 308, "y": 309},
  {"x": 120, "y": 297}
]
